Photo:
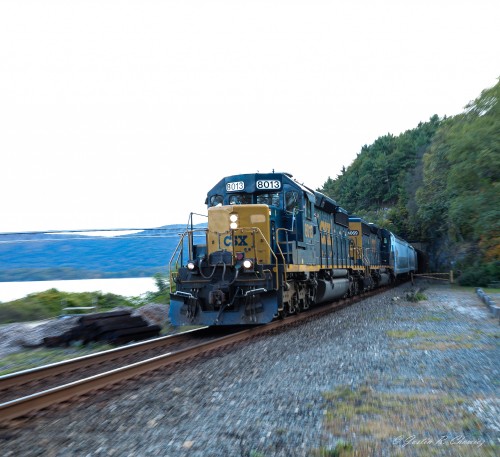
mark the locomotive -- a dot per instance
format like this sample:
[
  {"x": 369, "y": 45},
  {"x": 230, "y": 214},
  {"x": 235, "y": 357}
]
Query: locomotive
[{"x": 274, "y": 247}]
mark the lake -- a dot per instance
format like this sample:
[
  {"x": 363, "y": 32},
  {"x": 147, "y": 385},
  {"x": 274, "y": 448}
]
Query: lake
[{"x": 128, "y": 287}]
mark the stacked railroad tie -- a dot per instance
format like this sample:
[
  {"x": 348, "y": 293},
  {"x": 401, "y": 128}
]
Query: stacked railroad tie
[{"x": 115, "y": 327}]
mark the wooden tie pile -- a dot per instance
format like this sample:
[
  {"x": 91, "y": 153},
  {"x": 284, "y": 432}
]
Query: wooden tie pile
[{"x": 115, "y": 327}]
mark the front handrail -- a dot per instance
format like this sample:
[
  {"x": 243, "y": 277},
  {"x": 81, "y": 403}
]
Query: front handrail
[
  {"x": 278, "y": 244},
  {"x": 255, "y": 230},
  {"x": 190, "y": 233},
  {"x": 178, "y": 252}
]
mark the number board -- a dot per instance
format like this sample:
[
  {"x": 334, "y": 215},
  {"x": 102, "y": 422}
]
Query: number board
[
  {"x": 234, "y": 186},
  {"x": 268, "y": 184},
  {"x": 353, "y": 233}
]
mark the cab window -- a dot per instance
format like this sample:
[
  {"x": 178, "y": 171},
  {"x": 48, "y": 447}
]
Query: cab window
[
  {"x": 291, "y": 201},
  {"x": 309, "y": 212},
  {"x": 240, "y": 199},
  {"x": 270, "y": 199},
  {"x": 216, "y": 200}
]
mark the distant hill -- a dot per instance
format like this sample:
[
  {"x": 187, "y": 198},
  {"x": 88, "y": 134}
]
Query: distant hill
[{"x": 49, "y": 256}]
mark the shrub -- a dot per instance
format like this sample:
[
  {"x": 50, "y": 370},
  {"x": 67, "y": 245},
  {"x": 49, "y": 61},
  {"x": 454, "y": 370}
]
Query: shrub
[
  {"x": 480, "y": 275},
  {"x": 49, "y": 304}
]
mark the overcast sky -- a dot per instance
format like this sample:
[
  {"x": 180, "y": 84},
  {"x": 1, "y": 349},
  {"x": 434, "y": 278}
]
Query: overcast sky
[{"x": 125, "y": 113}]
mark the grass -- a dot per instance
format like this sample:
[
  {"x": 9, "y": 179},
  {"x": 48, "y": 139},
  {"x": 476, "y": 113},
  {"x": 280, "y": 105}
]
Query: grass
[
  {"x": 34, "y": 358},
  {"x": 49, "y": 304},
  {"x": 486, "y": 290},
  {"x": 416, "y": 297},
  {"x": 405, "y": 334},
  {"x": 441, "y": 342},
  {"x": 372, "y": 417},
  {"x": 341, "y": 449},
  {"x": 444, "y": 346}
]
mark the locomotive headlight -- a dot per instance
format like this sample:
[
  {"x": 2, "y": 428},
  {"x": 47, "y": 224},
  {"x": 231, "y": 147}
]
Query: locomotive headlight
[
  {"x": 191, "y": 266},
  {"x": 247, "y": 264},
  {"x": 234, "y": 221}
]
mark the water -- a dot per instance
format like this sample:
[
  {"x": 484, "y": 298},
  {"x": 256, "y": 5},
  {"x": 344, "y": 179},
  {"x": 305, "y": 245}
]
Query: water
[{"x": 128, "y": 287}]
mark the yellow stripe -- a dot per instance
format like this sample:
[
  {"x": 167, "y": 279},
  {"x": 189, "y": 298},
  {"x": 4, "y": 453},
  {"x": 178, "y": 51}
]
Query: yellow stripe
[{"x": 293, "y": 268}]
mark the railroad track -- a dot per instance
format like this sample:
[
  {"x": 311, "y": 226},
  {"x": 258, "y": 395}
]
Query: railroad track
[
  {"x": 25, "y": 382},
  {"x": 25, "y": 393}
]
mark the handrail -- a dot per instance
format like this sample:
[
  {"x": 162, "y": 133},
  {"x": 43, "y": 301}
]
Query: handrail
[
  {"x": 179, "y": 249},
  {"x": 279, "y": 248},
  {"x": 254, "y": 230},
  {"x": 189, "y": 233}
]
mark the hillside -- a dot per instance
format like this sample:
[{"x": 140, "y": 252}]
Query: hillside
[
  {"x": 44, "y": 256},
  {"x": 437, "y": 185}
]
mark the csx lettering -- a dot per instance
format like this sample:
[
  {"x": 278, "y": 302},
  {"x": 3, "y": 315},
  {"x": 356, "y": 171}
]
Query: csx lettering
[
  {"x": 309, "y": 231},
  {"x": 239, "y": 240}
]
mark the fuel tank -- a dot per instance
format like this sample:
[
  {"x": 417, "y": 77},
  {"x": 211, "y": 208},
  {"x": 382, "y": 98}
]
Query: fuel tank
[
  {"x": 339, "y": 273},
  {"x": 332, "y": 289}
]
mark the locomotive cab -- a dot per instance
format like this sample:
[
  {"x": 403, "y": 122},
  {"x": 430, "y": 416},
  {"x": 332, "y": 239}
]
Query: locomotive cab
[
  {"x": 232, "y": 278},
  {"x": 369, "y": 253}
]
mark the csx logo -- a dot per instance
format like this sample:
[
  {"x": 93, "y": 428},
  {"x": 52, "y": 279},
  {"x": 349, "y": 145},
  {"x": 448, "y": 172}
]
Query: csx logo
[{"x": 239, "y": 240}]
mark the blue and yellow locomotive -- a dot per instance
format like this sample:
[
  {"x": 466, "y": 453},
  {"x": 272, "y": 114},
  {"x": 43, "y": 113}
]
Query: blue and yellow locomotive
[{"x": 272, "y": 247}]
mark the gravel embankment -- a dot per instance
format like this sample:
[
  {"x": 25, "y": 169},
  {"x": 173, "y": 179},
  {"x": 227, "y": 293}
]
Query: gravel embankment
[{"x": 388, "y": 377}]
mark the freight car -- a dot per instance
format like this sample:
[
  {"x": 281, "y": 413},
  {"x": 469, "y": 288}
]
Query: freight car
[{"x": 273, "y": 247}]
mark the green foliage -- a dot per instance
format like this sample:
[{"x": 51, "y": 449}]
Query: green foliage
[
  {"x": 480, "y": 275},
  {"x": 437, "y": 184},
  {"x": 416, "y": 297},
  {"x": 162, "y": 295},
  {"x": 161, "y": 282},
  {"x": 380, "y": 184},
  {"x": 460, "y": 198},
  {"x": 49, "y": 304}
]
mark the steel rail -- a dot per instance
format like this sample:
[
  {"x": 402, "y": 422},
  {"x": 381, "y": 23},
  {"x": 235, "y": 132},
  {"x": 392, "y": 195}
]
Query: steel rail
[
  {"x": 19, "y": 378},
  {"x": 31, "y": 403}
]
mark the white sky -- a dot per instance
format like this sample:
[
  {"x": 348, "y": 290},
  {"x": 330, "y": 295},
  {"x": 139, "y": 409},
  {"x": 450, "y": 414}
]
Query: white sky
[{"x": 125, "y": 113}]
